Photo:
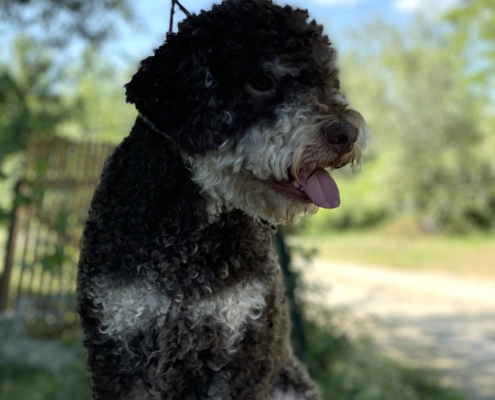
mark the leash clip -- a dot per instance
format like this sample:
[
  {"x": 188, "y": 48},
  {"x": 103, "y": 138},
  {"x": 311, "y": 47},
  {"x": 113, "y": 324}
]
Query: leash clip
[{"x": 172, "y": 11}]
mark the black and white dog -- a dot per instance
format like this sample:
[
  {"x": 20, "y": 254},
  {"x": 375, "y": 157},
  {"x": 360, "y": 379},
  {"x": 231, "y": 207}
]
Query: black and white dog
[{"x": 179, "y": 291}]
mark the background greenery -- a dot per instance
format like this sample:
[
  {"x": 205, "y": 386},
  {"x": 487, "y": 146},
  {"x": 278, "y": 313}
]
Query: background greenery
[{"x": 425, "y": 90}]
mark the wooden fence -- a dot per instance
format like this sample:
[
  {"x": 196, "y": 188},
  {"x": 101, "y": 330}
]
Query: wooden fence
[{"x": 51, "y": 203}]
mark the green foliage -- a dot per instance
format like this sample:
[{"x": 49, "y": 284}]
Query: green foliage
[
  {"x": 89, "y": 104},
  {"x": 53, "y": 262},
  {"x": 429, "y": 133},
  {"x": 20, "y": 382},
  {"x": 474, "y": 36},
  {"x": 31, "y": 78},
  {"x": 30, "y": 105},
  {"x": 29, "y": 102},
  {"x": 61, "y": 21},
  {"x": 95, "y": 93},
  {"x": 37, "y": 99}
]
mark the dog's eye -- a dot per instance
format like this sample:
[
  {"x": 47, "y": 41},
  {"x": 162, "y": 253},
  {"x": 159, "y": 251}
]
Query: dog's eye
[{"x": 261, "y": 83}]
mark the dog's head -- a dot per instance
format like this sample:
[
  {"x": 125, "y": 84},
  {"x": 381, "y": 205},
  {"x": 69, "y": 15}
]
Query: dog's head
[{"x": 249, "y": 93}]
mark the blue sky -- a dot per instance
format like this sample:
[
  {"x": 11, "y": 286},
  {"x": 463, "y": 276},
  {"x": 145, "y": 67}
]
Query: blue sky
[
  {"x": 132, "y": 44},
  {"x": 338, "y": 17}
]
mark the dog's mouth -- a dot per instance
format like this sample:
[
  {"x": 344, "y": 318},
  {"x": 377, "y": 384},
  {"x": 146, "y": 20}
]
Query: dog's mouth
[{"x": 315, "y": 186}]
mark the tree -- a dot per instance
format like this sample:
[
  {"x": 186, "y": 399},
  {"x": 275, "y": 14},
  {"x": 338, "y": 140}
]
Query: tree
[
  {"x": 440, "y": 171},
  {"x": 59, "y": 22},
  {"x": 34, "y": 75},
  {"x": 29, "y": 102},
  {"x": 474, "y": 36},
  {"x": 95, "y": 94},
  {"x": 30, "y": 86},
  {"x": 428, "y": 156}
]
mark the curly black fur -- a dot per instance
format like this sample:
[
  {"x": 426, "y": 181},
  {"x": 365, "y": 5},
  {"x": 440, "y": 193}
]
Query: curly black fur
[
  {"x": 148, "y": 228},
  {"x": 203, "y": 69}
]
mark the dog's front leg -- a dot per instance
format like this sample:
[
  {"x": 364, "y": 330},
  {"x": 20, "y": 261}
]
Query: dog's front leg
[{"x": 294, "y": 383}]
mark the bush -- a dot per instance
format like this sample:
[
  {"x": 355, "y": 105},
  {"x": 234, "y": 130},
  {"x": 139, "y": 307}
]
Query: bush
[{"x": 24, "y": 382}]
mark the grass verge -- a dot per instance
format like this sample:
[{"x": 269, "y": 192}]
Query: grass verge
[{"x": 472, "y": 256}]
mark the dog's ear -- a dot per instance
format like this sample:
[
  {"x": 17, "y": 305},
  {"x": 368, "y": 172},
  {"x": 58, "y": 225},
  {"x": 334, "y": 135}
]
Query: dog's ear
[{"x": 175, "y": 91}]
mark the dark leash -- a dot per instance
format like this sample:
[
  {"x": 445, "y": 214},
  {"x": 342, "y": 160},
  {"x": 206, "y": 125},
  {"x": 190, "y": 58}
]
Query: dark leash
[{"x": 172, "y": 11}]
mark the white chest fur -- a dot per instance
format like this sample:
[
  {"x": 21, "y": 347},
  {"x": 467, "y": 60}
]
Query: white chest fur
[{"x": 139, "y": 307}]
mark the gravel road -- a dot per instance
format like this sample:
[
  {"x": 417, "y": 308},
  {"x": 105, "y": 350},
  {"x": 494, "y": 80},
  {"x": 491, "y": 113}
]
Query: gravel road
[{"x": 439, "y": 322}]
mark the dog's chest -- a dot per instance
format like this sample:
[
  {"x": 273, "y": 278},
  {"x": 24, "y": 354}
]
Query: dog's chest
[
  {"x": 218, "y": 280},
  {"x": 138, "y": 307}
]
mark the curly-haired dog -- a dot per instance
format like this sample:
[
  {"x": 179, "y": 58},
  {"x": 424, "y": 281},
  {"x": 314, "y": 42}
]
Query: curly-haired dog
[{"x": 179, "y": 291}]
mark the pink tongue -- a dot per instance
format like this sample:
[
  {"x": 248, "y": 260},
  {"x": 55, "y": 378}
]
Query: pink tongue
[{"x": 320, "y": 188}]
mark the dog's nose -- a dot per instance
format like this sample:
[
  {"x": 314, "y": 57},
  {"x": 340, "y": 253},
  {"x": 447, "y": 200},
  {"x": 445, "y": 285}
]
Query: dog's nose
[{"x": 341, "y": 136}]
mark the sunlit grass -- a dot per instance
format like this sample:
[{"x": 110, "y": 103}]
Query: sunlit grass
[{"x": 472, "y": 256}]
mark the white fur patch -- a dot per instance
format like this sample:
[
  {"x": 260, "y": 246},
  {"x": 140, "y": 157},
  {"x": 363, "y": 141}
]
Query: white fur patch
[
  {"x": 235, "y": 176},
  {"x": 232, "y": 309},
  {"x": 126, "y": 310}
]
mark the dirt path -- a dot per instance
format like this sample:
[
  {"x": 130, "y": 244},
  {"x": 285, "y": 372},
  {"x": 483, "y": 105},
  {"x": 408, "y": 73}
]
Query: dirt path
[{"x": 439, "y": 322}]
